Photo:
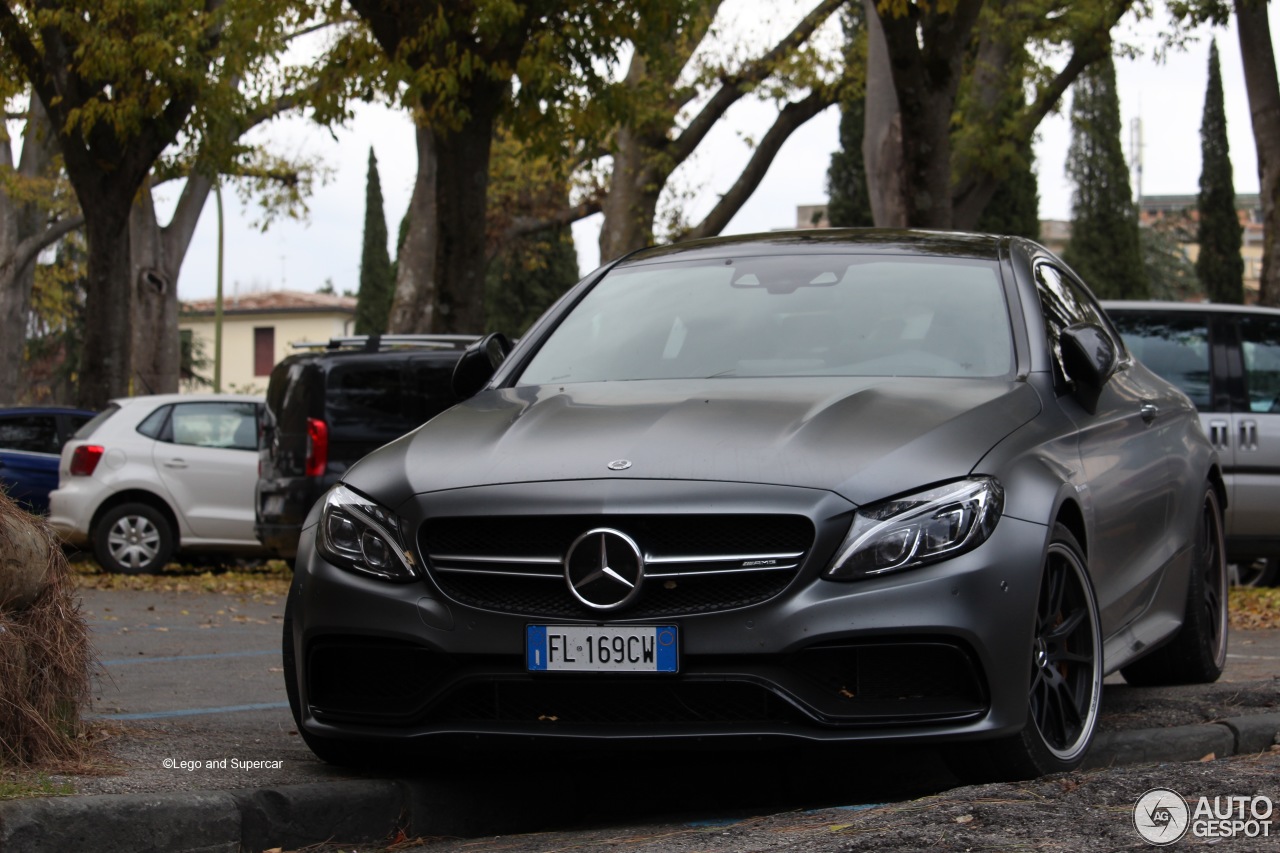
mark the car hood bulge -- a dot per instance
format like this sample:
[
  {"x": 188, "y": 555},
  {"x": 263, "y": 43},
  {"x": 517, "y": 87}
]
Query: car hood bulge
[{"x": 864, "y": 438}]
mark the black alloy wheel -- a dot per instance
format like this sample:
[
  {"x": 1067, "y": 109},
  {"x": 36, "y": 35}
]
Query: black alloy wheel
[
  {"x": 1066, "y": 669},
  {"x": 1064, "y": 690}
]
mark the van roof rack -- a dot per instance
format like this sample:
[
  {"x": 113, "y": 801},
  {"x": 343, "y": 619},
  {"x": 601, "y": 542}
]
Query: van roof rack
[{"x": 375, "y": 343}]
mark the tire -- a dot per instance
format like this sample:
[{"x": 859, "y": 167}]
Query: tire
[
  {"x": 1198, "y": 652},
  {"x": 1264, "y": 571},
  {"x": 1065, "y": 687},
  {"x": 340, "y": 753},
  {"x": 134, "y": 539}
]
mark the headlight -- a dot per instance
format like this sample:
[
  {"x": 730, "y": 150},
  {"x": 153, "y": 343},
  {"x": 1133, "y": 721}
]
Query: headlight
[
  {"x": 357, "y": 534},
  {"x": 919, "y": 529}
]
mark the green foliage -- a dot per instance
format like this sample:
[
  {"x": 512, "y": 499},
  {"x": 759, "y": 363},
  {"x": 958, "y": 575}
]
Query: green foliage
[
  {"x": 1104, "y": 247},
  {"x": 1015, "y": 207},
  {"x": 193, "y": 360},
  {"x": 526, "y": 277},
  {"x": 848, "y": 202},
  {"x": 1219, "y": 264},
  {"x": 55, "y": 324},
  {"x": 525, "y": 274},
  {"x": 19, "y": 786},
  {"x": 373, "y": 300}
]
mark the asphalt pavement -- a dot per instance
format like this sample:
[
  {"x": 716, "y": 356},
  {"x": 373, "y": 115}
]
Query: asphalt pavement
[{"x": 192, "y": 690}]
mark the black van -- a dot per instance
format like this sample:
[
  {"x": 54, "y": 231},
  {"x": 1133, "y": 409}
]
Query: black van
[{"x": 331, "y": 404}]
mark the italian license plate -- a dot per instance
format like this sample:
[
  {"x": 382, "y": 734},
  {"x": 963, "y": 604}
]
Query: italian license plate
[{"x": 601, "y": 648}]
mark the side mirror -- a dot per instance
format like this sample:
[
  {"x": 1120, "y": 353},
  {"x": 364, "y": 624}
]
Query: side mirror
[
  {"x": 478, "y": 364},
  {"x": 1089, "y": 358}
]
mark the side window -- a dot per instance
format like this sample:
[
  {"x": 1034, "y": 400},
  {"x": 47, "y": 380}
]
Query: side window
[
  {"x": 1064, "y": 303},
  {"x": 1174, "y": 345},
  {"x": 152, "y": 425},
  {"x": 228, "y": 425},
  {"x": 371, "y": 398},
  {"x": 1260, "y": 346},
  {"x": 31, "y": 433}
]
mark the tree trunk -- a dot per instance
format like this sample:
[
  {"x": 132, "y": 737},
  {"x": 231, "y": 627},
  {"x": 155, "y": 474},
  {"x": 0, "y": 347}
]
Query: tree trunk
[
  {"x": 1259, "y": 60},
  {"x": 882, "y": 137},
  {"x": 925, "y": 54},
  {"x": 413, "y": 305},
  {"x": 156, "y": 256},
  {"x": 108, "y": 342},
  {"x": 631, "y": 204},
  {"x": 462, "y": 190},
  {"x": 19, "y": 223}
]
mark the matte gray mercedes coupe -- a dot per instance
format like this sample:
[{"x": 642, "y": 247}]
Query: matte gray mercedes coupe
[{"x": 827, "y": 485}]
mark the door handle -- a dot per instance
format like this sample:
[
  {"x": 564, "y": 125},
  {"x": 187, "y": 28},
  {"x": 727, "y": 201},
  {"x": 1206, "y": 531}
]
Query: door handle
[
  {"x": 1249, "y": 434},
  {"x": 176, "y": 463},
  {"x": 1218, "y": 432},
  {"x": 1149, "y": 411}
]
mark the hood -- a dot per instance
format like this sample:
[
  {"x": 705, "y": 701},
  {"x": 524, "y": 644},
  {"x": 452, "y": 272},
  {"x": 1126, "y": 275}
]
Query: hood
[{"x": 865, "y": 438}]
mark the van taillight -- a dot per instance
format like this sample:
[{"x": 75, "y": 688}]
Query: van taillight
[
  {"x": 317, "y": 447},
  {"x": 84, "y": 459}
]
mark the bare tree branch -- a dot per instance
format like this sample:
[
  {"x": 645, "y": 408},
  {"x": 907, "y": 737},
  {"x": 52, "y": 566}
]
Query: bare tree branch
[
  {"x": 30, "y": 248},
  {"x": 792, "y": 117},
  {"x": 737, "y": 85},
  {"x": 523, "y": 226}
]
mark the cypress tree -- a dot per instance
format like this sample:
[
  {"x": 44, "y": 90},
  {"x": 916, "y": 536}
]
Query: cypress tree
[
  {"x": 373, "y": 300},
  {"x": 848, "y": 204},
  {"x": 1104, "y": 249},
  {"x": 1219, "y": 266}
]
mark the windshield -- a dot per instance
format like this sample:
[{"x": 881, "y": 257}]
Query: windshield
[{"x": 807, "y": 315}]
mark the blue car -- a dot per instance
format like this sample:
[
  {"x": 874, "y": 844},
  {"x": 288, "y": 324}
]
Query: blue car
[{"x": 31, "y": 439}]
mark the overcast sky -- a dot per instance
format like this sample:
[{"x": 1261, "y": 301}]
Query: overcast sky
[{"x": 1168, "y": 97}]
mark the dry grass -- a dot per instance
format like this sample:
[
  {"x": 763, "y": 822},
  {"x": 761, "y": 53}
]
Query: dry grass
[{"x": 45, "y": 665}]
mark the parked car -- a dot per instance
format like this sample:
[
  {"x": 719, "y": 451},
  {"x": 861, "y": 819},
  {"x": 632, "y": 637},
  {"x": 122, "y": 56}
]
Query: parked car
[
  {"x": 157, "y": 474},
  {"x": 1226, "y": 358},
  {"x": 827, "y": 485},
  {"x": 331, "y": 404},
  {"x": 31, "y": 437}
]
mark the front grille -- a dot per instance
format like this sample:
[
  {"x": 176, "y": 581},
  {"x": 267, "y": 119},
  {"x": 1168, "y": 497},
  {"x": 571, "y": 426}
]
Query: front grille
[
  {"x": 612, "y": 703},
  {"x": 830, "y": 686},
  {"x": 694, "y": 563},
  {"x": 892, "y": 680}
]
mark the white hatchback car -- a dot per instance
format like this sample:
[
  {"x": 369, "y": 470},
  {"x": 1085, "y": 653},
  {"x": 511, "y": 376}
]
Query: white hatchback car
[{"x": 154, "y": 474}]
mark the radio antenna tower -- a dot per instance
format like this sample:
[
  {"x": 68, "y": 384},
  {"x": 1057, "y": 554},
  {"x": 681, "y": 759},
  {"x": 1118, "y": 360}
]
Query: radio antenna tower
[{"x": 1135, "y": 155}]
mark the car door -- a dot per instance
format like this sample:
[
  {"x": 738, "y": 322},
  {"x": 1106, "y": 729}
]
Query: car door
[
  {"x": 1191, "y": 350},
  {"x": 1255, "y": 432},
  {"x": 29, "y": 449},
  {"x": 207, "y": 458},
  {"x": 1125, "y": 448}
]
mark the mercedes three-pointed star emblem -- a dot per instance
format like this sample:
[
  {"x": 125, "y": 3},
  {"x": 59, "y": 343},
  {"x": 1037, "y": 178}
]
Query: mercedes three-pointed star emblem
[{"x": 604, "y": 569}]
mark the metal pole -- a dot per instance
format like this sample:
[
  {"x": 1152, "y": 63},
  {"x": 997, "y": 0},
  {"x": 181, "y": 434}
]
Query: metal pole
[{"x": 217, "y": 304}]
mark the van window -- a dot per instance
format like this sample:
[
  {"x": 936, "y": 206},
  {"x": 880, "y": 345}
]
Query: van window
[
  {"x": 372, "y": 398},
  {"x": 1260, "y": 346},
  {"x": 1174, "y": 346}
]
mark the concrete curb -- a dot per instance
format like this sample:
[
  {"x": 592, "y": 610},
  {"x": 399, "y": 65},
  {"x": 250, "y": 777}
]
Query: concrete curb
[{"x": 291, "y": 816}]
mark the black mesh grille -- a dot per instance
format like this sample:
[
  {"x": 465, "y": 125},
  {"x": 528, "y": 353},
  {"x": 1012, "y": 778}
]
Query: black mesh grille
[
  {"x": 540, "y": 590},
  {"x": 612, "y": 703},
  {"x": 359, "y": 678}
]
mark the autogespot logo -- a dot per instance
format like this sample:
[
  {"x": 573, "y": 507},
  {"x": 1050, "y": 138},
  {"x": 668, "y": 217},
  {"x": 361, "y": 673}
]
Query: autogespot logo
[{"x": 1161, "y": 816}]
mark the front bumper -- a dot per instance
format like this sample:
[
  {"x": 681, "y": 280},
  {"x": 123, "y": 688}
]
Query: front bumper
[{"x": 940, "y": 652}]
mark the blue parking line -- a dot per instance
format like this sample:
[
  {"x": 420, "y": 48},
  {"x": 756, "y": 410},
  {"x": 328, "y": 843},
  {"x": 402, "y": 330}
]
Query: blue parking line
[
  {"x": 191, "y": 712},
  {"x": 214, "y": 656}
]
